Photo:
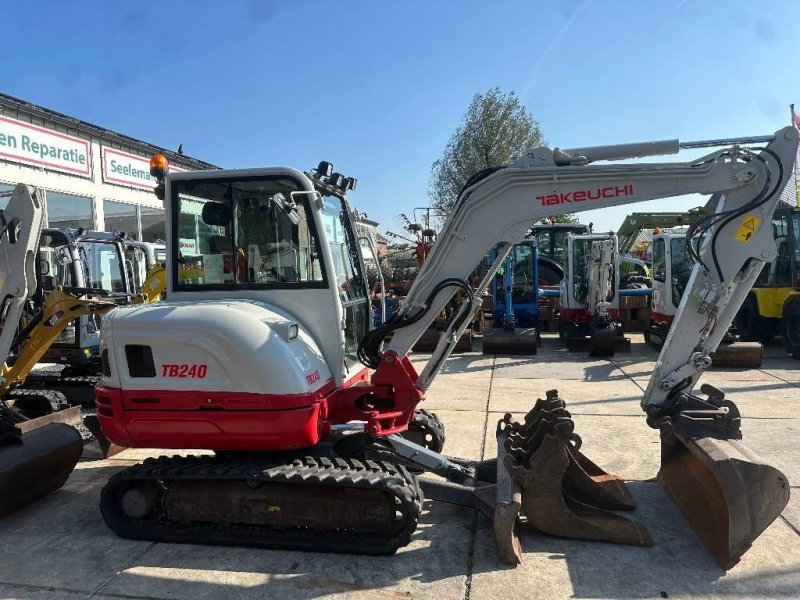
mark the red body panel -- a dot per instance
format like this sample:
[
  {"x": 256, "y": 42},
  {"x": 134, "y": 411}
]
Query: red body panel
[
  {"x": 243, "y": 421},
  {"x": 661, "y": 319}
]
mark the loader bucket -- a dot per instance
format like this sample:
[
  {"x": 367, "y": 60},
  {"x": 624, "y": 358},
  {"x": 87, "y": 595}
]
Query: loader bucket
[
  {"x": 40, "y": 464},
  {"x": 725, "y": 491}
]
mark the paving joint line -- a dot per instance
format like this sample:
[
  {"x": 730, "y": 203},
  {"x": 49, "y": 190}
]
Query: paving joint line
[
  {"x": 780, "y": 378},
  {"x": 791, "y": 526},
  {"x": 474, "y": 527},
  {"x": 42, "y": 588},
  {"x": 128, "y": 564}
]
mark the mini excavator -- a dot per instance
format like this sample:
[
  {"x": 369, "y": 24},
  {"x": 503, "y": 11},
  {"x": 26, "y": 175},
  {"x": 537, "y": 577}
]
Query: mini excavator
[
  {"x": 266, "y": 356},
  {"x": 589, "y": 296}
]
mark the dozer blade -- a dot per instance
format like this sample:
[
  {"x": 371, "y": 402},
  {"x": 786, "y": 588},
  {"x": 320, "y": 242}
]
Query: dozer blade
[
  {"x": 518, "y": 341},
  {"x": 40, "y": 464},
  {"x": 725, "y": 491},
  {"x": 741, "y": 355}
]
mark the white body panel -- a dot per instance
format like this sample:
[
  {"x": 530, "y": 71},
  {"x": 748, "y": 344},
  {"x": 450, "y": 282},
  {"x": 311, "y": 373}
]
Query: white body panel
[{"x": 243, "y": 346}]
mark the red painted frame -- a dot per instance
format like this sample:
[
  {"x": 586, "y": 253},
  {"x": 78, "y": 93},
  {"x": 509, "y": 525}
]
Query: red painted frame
[{"x": 240, "y": 421}]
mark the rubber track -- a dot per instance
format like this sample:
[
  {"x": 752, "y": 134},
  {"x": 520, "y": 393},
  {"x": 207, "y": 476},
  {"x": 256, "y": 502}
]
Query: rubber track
[
  {"x": 393, "y": 479},
  {"x": 33, "y": 402}
]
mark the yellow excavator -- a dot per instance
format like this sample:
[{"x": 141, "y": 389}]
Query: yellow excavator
[{"x": 38, "y": 447}]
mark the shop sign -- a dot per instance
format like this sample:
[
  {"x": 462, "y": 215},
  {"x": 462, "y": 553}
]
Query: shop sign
[
  {"x": 122, "y": 168},
  {"x": 28, "y": 144}
]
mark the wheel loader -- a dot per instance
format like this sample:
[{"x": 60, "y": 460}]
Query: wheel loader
[{"x": 266, "y": 357}]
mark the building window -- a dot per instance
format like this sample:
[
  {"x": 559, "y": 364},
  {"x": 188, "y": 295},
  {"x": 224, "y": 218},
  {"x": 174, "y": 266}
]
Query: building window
[
  {"x": 154, "y": 225},
  {"x": 121, "y": 217},
  {"x": 68, "y": 211},
  {"x": 4, "y": 187}
]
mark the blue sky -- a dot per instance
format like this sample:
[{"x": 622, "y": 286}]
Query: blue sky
[{"x": 377, "y": 88}]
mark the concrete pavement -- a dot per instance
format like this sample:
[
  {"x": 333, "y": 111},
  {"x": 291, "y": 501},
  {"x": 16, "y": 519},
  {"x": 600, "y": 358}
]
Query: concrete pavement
[{"x": 60, "y": 547}]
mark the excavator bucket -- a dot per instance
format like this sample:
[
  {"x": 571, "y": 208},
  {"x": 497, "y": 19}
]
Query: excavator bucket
[
  {"x": 726, "y": 492},
  {"x": 542, "y": 474},
  {"x": 107, "y": 447},
  {"x": 35, "y": 463}
]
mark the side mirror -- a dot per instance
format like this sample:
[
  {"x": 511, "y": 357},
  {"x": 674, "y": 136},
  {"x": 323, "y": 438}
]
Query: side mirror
[
  {"x": 63, "y": 255},
  {"x": 44, "y": 266},
  {"x": 216, "y": 213}
]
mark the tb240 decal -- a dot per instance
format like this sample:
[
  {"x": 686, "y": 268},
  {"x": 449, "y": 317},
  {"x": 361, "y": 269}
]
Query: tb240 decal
[{"x": 184, "y": 371}]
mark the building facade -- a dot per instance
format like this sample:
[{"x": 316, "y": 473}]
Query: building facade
[{"x": 90, "y": 177}]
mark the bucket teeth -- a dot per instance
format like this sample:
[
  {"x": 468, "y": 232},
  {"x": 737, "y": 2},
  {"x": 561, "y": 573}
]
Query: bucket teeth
[{"x": 563, "y": 492}]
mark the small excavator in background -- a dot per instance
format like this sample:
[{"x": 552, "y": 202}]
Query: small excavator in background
[
  {"x": 636, "y": 222},
  {"x": 276, "y": 368},
  {"x": 515, "y": 302},
  {"x": 589, "y": 296},
  {"x": 671, "y": 273}
]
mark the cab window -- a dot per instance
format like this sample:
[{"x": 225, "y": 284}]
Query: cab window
[{"x": 243, "y": 232}]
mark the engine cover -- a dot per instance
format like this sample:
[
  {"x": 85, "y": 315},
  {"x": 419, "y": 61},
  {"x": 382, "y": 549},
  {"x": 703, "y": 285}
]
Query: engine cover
[{"x": 210, "y": 374}]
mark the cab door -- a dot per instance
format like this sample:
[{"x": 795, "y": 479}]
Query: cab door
[{"x": 349, "y": 275}]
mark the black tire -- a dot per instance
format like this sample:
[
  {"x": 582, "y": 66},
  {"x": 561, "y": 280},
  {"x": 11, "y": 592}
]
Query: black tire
[
  {"x": 791, "y": 328},
  {"x": 550, "y": 272},
  {"x": 426, "y": 430},
  {"x": 752, "y": 326}
]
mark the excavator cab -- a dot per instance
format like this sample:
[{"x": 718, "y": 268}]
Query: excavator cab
[{"x": 79, "y": 259}]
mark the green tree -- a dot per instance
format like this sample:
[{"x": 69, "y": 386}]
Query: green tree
[
  {"x": 496, "y": 130},
  {"x": 567, "y": 218}
]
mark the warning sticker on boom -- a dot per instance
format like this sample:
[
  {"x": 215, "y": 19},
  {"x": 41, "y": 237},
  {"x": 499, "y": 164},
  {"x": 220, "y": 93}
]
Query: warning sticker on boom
[{"x": 749, "y": 226}]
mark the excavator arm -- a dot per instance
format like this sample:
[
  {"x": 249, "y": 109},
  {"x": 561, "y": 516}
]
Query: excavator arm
[
  {"x": 500, "y": 205},
  {"x": 37, "y": 461},
  {"x": 725, "y": 491},
  {"x": 61, "y": 307},
  {"x": 599, "y": 269}
]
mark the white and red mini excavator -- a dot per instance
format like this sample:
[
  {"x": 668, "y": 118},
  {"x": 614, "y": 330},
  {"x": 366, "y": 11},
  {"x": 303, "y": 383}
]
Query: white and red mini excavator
[
  {"x": 263, "y": 352},
  {"x": 589, "y": 296}
]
